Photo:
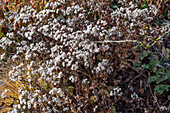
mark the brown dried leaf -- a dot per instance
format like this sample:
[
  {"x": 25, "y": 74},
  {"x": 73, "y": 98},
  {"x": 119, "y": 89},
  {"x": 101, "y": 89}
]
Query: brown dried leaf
[{"x": 141, "y": 90}]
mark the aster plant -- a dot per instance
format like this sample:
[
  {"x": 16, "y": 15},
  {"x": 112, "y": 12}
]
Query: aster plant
[{"x": 65, "y": 55}]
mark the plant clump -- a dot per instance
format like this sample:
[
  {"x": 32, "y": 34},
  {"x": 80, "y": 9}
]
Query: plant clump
[{"x": 74, "y": 57}]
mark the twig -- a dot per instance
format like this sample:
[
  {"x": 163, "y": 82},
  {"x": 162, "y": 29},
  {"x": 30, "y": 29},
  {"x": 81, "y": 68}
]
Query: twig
[
  {"x": 120, "y": 41},
  {"x": 134, "y": 79},
  {"x": 165, "y": 33},
  {"x": 136, "y": 76},
  {"x": 85, "y": 74}
]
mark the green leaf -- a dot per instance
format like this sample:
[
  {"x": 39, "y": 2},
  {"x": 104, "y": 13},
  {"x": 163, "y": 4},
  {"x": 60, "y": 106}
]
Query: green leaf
[
  {"x": 162, "y": 73},
  {"x": 144, "y": 6},
  {"x": 136, "y": 64},
  {"x": 158, "y": 79},
  {"x": 145, "y": 1},
  {"x": 107, "y": 93},
  {"x": 153, "y": 63},
  {"x": 139, "y": 49},
  {"x": 163, "y": 60},
  {"x": 161, "y": 88},
  {"x": 158, "y": 23},
  {"x": 113, "y": 5},
  {"x": 143, "y": 55},
  {"x": 70, "y": 89},
  {"x": 152, "y": 78},
  {"x": 113, "y": 109},
  {"x": 164, "y": 14},
  {"x": 143, "y": 66},
  {"x": 168, "y": 73},
  {"x": 148, "y": 66},
  {"x": 16, "y": 39},
  {"x": 47, "y": 7},
  {"x": 93, "y": 99}
]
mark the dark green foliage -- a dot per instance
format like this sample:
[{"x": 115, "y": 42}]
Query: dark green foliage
[{"x": 161, "y": 74}]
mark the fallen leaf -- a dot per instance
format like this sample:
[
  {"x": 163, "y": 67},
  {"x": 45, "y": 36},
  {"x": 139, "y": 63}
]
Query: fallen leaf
[{"x": 141, "y": 90}]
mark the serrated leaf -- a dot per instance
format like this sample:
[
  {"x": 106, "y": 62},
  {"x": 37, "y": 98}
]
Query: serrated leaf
[
  {"x": 161, "y": 88},
  {"x": 158, "y": 79},
  {"x": 152, "y": 78},
  {"x": 153, "y": 63}
]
